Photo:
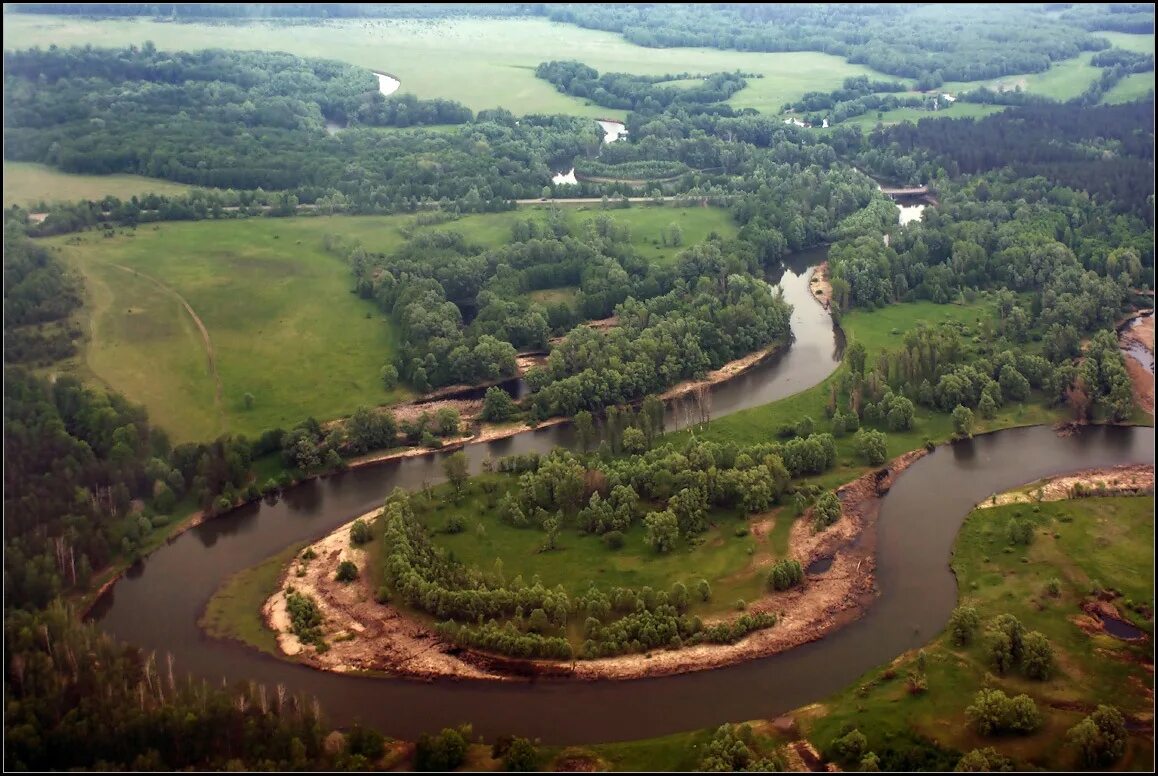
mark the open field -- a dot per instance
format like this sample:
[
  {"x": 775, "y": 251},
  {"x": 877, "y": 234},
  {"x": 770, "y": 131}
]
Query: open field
[
  {"x": 1132, "y": 87},
  {"x": 1064, "y": 80},
  {"x": 26, "y": 184},
  {"x": 960, "y": 110},
  {"x": 482, "y": 63},
  {"x": 645, "y": 221},
  {"x": 1074, "y": 542},
  {"x": 1141, "y": 42},
  {"x": 276, "y": 309}
]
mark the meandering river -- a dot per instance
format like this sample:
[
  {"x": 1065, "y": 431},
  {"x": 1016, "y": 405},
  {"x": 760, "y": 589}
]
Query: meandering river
[{"x": 157, "y": 604}]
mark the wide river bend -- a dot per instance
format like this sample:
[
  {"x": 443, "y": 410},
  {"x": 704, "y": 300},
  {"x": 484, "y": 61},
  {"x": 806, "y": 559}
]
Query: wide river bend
[{"x": 157, "y": 604}]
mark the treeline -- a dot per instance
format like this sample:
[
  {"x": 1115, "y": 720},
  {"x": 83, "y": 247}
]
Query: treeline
[
  {"x": 1118, "y": 17},
  {"x": 1105, "y": 150},
  {"x": 76, "y": 700},
  {"x": 1077, "y": 258},
  {"x": 40, "y": 295},
  {"x": 930, "y": 45},
  {"x": 641, "y": 170},
  {"x": 857, "y": 96},
  {"x": 708, "y": 318},
  {"x": 662, "y": 312},
  {"x": 243, "y": 11},
  {"x": 250, "y": 120},
  {"x": 88, "y": 479},
  {"x": 640, "y": 93}
]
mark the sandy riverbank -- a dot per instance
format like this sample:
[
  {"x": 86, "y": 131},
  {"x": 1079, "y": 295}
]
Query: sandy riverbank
[
  {"x": 1141, "y": 335},
  {"x": 820, "y": 286},
  {"x": 386, "y": 640},
  {"x": 1127, "y": 480}
]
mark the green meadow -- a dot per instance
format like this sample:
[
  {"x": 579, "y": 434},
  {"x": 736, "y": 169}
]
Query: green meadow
[
  {"x": 1132, "y": 87},
  {"x": 1077, "y": 543},
  {"x": 27, "y": 184}
]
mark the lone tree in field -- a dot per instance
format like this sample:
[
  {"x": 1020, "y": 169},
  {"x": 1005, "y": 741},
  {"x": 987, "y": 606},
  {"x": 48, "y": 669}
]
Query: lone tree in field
[{"x": 247, "y": 400}]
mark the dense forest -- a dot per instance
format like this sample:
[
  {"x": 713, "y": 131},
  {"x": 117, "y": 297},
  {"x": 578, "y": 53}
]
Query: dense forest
[
  {"x": 250, "y": 120},
  {"x": 40, "y": 295},
  {"x": 857, "y": 96},
  {"x": 642, "y": 93},
  {"x": 1105, "y": 150},
  {"x": 666, "y": 332},
  {"x": 88, "y": 480}
]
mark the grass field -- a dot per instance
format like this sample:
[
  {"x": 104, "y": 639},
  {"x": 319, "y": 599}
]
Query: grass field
[
  {"x": 278, "y": 312},
  {"x": 645, "y": 222},
  {"x": 1075, "y": 542},
  {"x": 482, "y": 63},
  {"x": 960, "y": 110},
  {"x": 1132, "y": 87},
  {"x": 1143, "y": 43},
  {"x": 277, "y": 309},
  {"x": 730, "y": 562},
  {"x": 27, "y": 184},
  {"x": 1064, "y": 80}
]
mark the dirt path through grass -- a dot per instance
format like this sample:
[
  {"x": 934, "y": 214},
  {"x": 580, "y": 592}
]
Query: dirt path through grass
[{"x": 217, "y": 400}]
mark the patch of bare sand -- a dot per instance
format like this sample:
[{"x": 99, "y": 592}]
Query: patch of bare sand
[
  {"x": 1142, "y": 332},
  {"x": 820, "y": 286},
  {"x": 723, "y": 374},
  {"x": 1126, "y": 479},
  {"x": 362, "y": 634},
  {"x": 1142, "y": 383}
]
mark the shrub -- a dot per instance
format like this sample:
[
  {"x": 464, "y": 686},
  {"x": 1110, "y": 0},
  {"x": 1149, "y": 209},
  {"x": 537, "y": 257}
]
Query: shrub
[
  {"x": 454, "y": 525},
  {"x": 521, "y": 755},
  {"x": 826, "y": 512},
  {"x": 963, "y": 624},
  {"x": 360, "y": 532},
  {"x": 870, "y": 445},
  {"x": 916, "y": 683},
  {"x": 785, "y": 574},
  {"x": 347, "y": 572},
  {"x": 1053, "y": 587},
  {"x": 382, "y": 596},
  {"x": 443, "y": 752},
  {"x": 1020, "y": 532},
  {"x": 850, "y": 748},
  {"x": 1100, "y": 738},
  {"x": 704, "y": 590},
  {"x": 995, "y": 713},
  {"x": 1004, "y": 642},
  {"x": 986, "y": 760},
  {"x": 613, "y": 539},
  {"x": 1036, "y": 656}
]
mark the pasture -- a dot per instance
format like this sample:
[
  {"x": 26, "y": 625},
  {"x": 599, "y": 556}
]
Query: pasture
[
  {"x": 28, "y": 184},
  {"x": 996, "y": 577}
]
